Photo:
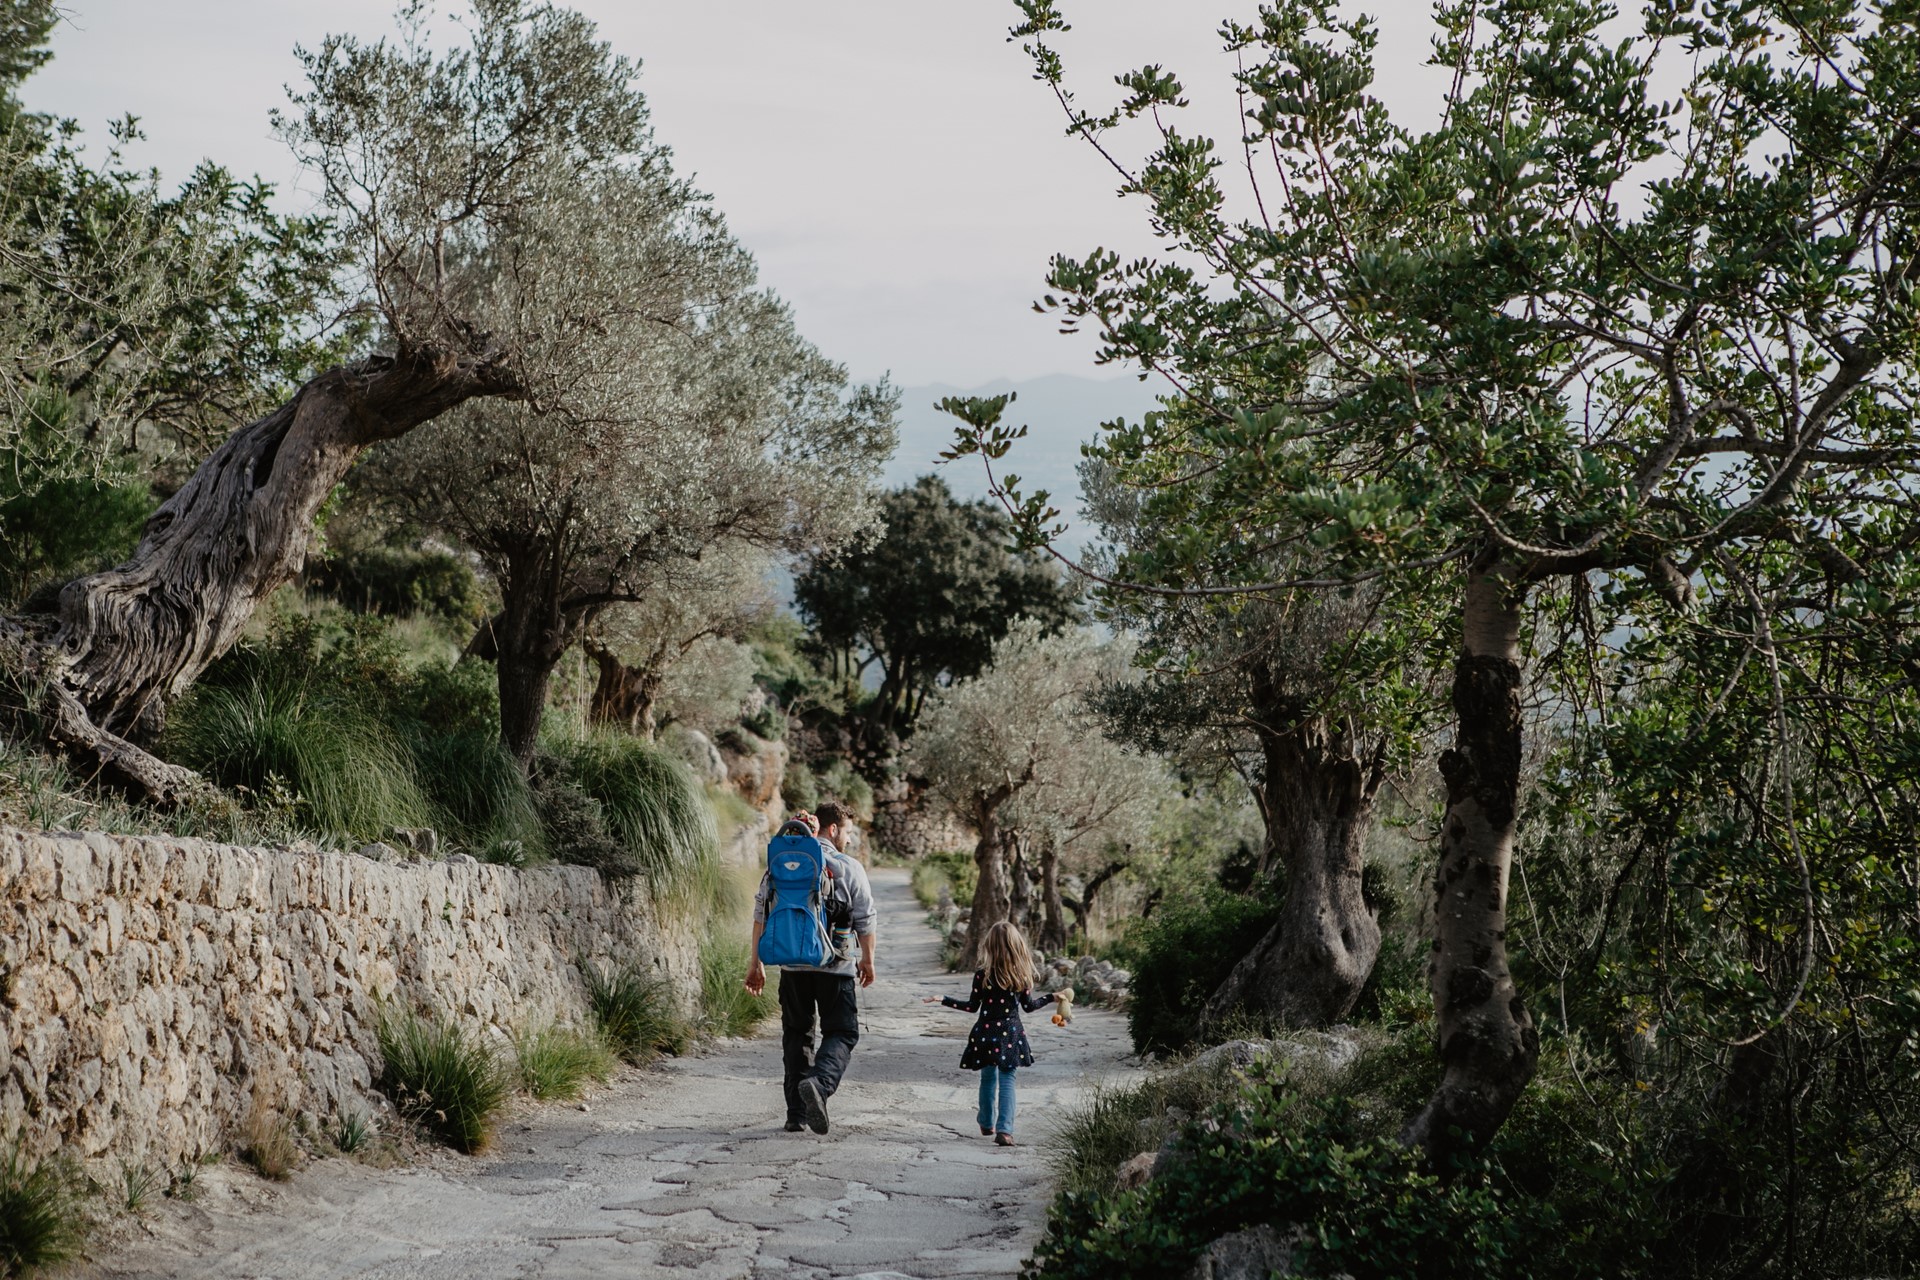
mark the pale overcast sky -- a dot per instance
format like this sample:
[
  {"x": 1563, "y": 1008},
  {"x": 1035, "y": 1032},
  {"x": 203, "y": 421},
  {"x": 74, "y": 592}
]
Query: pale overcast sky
[{"x": 892, "y": 164}]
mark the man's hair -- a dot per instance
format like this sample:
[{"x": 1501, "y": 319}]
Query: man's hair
[{"x": 831, "y": 813}]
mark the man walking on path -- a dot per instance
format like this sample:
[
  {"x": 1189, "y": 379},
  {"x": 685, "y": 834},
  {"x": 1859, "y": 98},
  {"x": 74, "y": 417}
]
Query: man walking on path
[{"x": 813, "y": 1075}]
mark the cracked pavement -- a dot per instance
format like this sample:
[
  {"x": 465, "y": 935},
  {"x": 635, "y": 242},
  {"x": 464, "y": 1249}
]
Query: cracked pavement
[{"x": 683, "y": 1169}]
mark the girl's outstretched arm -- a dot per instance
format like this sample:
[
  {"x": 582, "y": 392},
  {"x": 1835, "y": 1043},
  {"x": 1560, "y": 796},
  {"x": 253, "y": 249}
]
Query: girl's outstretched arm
[
  {"x": 972, "y": 1004},
  {"x": 1030, "y": 1001}
]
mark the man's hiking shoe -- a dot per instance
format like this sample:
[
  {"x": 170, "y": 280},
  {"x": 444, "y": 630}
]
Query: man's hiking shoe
[
  {"x": 816, "y": 1105},
  {"x": 984, "y": 1131},
  {"x": 794, "y": 1126},
  {"x": 1002, "y": 1139}
]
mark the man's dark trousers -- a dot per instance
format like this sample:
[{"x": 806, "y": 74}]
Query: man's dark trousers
[{"x": 801, "y": 993}]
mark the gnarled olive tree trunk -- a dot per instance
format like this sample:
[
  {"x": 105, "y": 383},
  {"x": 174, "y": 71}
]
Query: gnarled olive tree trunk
[
  {"x": 126, "y": 641},
  {"x": 525, "y": 641},
  {"x": 623, "y": 695},
  {"x": 1488, "y": 1044},
  {"x": 1317, "y": 798}
]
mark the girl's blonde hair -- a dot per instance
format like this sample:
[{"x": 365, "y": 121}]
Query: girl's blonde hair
[{"x": 1006, "y": 958}]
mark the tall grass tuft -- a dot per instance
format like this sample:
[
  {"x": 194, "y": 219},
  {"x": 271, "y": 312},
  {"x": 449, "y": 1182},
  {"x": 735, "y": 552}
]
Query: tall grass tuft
[
  {"x": 655, "y": 808},
  {"x": 42, "y": 1223},
  {"x": 442, "y": 1077},
  {"x": 266, "y": 1142},
  {"x": 727, "y": 1008},
  {"x": 633, "y": 1011},
  {"x": 480, "y": 798},
  {"x": 352, "y": 776},
  {"x": 1091, "y": 1141},
  {"x": 557, "y": 1062}
]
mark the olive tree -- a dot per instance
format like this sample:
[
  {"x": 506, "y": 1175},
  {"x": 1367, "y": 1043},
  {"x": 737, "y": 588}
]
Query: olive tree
[
  {"x": 1309, "y": 696},
  {"x": 1572, "y": 341},
  {"x": 684, "y": 630},
  {"x": 430, "y": 154},
  {"x": 694, "y": 417},
  {"x": 1017, "y": 753}
]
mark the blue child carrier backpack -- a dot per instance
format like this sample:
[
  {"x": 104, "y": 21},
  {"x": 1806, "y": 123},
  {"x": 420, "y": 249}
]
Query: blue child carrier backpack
[{"x": 796, "y": 927}]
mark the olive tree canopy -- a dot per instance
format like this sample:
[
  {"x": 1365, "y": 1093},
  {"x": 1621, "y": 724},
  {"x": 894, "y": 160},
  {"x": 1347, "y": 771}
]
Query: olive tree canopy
[{"x": 440, "y": 157}]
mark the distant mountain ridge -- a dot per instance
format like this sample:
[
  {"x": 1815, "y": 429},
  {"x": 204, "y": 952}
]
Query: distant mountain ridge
[{"x": 1061, "y": 411}]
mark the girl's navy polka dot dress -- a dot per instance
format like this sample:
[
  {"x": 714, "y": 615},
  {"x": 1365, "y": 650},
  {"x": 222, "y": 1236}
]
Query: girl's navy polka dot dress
[{"x": 997, "y": 1038}]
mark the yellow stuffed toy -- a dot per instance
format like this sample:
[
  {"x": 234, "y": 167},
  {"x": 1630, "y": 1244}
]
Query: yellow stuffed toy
[{"x": 1063, "y": 1006}]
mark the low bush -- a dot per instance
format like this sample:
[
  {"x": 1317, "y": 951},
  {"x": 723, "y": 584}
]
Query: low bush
[
  {"x": 441, "y": 1076},
  {"x": 1364, "y": 1206},
  {"x": 401, "y": 580},
  {"x": 654, "y": 808},
  {"x": 349, "y": 773},
  {"x": 633, "y": 1011},
  {"x": 1180, "y": 956},
  {"x": 953, "y": 871},
  {"x": 839, "y": 781},
  {"x": 799, "y": 788},
  {"x": 557, "y": 1062},
  {"x": 1117, "y": 1123},
  {"x": 481, "y": 800},
  {"x": 727, "y": 1008},
  {"x": 42, "y": 1222},
  {"x": 267, "y": 1143},
  {"x": 351, "y": 1133},
  {"x": 731, "y": 813}
]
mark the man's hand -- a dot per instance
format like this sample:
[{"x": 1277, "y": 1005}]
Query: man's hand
[
  {"x": 865, "y": 970},
  {"x": 756, "y": 976}
]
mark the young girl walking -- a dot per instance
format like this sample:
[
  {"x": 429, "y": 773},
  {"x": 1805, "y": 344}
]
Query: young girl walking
[{"x": 998, "y": 1043}]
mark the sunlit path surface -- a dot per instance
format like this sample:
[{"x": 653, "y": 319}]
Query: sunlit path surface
[{"x": 685, "y": 1170}]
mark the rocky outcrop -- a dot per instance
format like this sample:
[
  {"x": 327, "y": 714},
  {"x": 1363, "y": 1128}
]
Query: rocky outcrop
[
  {"x": 151, "y": 987},
  {"x": 755, "y": 766}
]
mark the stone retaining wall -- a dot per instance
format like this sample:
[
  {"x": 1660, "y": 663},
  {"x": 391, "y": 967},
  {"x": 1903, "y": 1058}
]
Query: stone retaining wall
[{"x": 152, "y": 988}]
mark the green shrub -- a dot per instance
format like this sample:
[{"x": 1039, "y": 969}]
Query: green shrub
[
  {"x": 654, "y": 808},
  {"x": 1118, "y": 1122},
  {"x": 1367, "y": 1207},
  {"x": 633, "y": 1011},
  {"x": 1180, "y": 956},
  {"x": 727, "y": 1008},
  {"x": 441, "y": 1076},
  {"x": 351, "y": 775},
  {"x": 58, "y": 517},
  {"x": 479, "y": 797},
  {"x": 799, "y": 788},
  {"x": 955, "y": 871},
  {"x": 402, "y": 580},
  {"x": 352, "y": 1133},
  {"x": 839, "y": 781},
  {"x": 42, "y": 1223},
  {"x": 454, "y": 698},
  {"x": 557, "y": 1062}
]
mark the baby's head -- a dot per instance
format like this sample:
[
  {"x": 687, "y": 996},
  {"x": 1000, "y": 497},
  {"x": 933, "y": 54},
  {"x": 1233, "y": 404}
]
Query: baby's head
[{"x": 1006, "y": 958}]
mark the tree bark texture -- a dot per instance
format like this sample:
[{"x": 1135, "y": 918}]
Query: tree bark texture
[
  {"x": 623, "y": 695},
  {"x": 1052, "y": 934},
  {"x": 530, "y": 635},
  {"x": 1488, "y": 1043},
  {"x": 992, "y": 895},
  {"x": 1310, "y": 967},
  {"x": 127, "y": 640}
]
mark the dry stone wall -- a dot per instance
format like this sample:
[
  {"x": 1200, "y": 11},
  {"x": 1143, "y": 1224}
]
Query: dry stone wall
[{"x": 154, "y": 990}]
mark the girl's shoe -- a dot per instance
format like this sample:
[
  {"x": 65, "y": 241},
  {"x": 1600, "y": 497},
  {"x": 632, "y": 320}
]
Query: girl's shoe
[{"x": 1002, "y": 1139}]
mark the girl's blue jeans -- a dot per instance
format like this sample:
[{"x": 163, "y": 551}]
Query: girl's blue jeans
[{"x": 996, "y": 1099}]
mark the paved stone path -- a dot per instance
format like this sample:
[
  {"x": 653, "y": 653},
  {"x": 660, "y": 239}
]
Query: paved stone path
[{"x": 684, "y": 1171}]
